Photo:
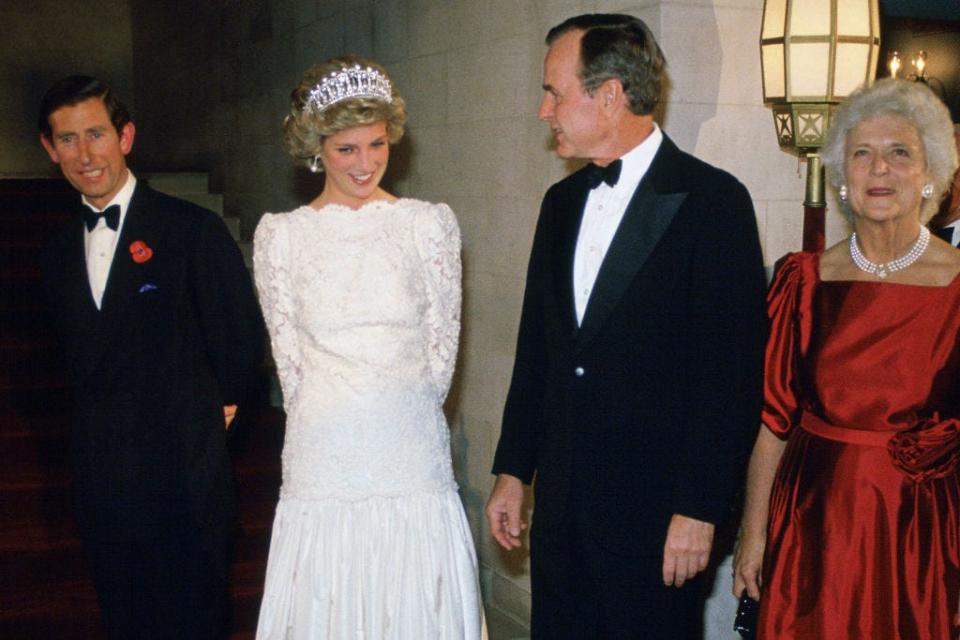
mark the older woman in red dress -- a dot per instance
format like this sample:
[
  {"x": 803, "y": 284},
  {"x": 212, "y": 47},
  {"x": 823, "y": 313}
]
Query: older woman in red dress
[{"x": 851, "y": 526}]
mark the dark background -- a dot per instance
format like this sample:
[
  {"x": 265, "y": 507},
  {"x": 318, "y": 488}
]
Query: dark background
[{"x": 908, "y": 26}]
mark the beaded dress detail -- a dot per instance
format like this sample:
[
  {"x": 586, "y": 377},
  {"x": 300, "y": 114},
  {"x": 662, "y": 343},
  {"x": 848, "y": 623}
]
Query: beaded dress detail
[{"x": 369, "y": 538}]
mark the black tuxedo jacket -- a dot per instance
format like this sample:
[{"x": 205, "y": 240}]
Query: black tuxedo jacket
[
  {"x": 177, "y": 337},
  {"x": 649, "y": 408}
]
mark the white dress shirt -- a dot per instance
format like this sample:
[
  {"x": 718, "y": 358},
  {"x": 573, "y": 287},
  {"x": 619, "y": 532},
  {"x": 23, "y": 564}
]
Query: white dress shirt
[
  {"x": 602, "y": 215},
  {"x": 100, "y": 243}
]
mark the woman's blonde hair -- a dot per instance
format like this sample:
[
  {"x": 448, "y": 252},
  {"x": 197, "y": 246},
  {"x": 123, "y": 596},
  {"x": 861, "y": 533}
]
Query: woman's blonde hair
[{"x": 305, "y": 128}]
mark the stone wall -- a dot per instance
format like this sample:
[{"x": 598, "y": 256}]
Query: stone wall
[{"x": 44, "y": 40}]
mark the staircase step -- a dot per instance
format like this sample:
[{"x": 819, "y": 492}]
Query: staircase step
[
  {"x": 41, "y": 402},
  {"x": 32, "y": 186},
  {"x": 33, "y": 458},
  {"x": 41, "y": 528},
  {"x": 246, "y": 250},
  {"x": 233, "y": 226},
  {"x": 36, "y": 569},
  {"x": 37, "y": 459},
  {"x": 25, "y": 325},
  {"x": 38, "y": 515},
  {"x": 192, "y": 187},
  {"x": 178, "y": 183},
  {"x": 68, "y": 611},
  {"x": 57, "y": 204},
  {"x": 246, "y": 591},
  {"x": 20, "y": 253},
  {"x": 28, "y": 365},
  {"x": 211, "y": 201},
  {"x": 37, "y": 512},
  {"x": 31, "y": 227},
  {"x": 40, "y": 425},
  {"x": 21, "y": 287}
]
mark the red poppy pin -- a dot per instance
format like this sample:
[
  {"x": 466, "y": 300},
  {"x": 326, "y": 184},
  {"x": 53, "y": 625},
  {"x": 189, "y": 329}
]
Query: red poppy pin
[{"x": 140, "y": 251}]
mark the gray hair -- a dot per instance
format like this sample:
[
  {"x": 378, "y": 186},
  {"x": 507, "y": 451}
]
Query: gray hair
[
  {"x": 920, "y": 107},
  {"x": 618, "y": 47}
]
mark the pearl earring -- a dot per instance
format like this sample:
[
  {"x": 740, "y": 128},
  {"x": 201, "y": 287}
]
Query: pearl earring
[
  {"x": 927, "y": 191},
  {"x": 315, "y": 165},
  {"x": 843, "y": 193}
]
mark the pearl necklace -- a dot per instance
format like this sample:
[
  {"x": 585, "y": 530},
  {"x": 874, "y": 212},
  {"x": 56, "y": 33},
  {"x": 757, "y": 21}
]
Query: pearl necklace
[{"x": 883, "y": 270}]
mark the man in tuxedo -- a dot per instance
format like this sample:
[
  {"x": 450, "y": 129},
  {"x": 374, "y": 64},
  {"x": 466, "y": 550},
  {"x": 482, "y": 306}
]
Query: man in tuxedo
[
  {"x": 946, "y": 224},
  {"x": 637, "y": 382},
  {"x": 164, "y": 338}
]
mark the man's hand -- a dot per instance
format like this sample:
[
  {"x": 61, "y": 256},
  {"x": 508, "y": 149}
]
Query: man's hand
[
  {"x": 687, "y": 550},
  {"x": 229, "y": 413},
  {"x": 503, "y": 511}
]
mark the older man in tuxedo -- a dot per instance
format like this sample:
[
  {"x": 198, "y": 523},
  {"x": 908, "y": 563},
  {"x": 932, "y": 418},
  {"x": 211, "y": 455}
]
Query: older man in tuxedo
[
  {"x": 164, "y": 338},
  {"x": 946, "y": 224},
  {"x": 637, "y": 380}
]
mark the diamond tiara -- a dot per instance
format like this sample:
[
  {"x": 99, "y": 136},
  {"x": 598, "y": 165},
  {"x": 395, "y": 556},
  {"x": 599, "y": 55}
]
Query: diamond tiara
[{"x": 349, "y": 82}]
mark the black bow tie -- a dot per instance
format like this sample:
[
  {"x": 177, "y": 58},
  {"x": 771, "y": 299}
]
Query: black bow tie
[
  {"x": 111, "y": 214},
  {"x": 609, "y": 174},
  {"x": 946, "y": 233}
]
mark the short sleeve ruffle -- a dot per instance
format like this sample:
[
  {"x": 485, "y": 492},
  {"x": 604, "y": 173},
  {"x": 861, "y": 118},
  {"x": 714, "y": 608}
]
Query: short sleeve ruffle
[{"x": 789, "y": 310}]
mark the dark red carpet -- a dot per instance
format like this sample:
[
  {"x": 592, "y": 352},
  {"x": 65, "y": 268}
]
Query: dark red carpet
[{"x": 45, "y": 586}]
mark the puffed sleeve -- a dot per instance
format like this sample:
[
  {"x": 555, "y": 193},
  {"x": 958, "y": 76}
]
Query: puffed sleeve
[
  {"x": 271, "y": 270},
  {"x": 438, "y": 244},
  {"x": 789, "y": 310}
]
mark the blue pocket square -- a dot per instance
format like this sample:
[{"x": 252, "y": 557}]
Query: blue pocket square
[{"x": 148, "y": 287}]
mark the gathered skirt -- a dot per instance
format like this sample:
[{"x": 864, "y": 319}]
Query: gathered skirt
[{"x": 379, "y": 568}]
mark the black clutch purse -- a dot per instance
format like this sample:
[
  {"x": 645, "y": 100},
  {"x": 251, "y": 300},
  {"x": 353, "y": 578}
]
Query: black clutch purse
[{"x": 746, "y": 621}]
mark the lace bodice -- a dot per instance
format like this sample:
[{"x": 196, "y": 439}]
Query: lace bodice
[{"x": 363, "y": 309}]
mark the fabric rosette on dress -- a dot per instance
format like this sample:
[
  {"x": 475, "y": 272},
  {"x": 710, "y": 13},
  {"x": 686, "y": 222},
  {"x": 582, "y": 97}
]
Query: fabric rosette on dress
[{"x": 929, "y": 450}]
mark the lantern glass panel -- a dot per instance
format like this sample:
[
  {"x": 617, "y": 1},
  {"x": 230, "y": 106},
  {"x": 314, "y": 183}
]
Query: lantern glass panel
[
  {"x": 853, "y": 18},
  {"x": 853, "y": 62},
  {"x": 809, "y": 69},
  {"x": 809, "y": 18},
  {"x": 774, "y": 17},
  {"x": 773, "y": 80}
]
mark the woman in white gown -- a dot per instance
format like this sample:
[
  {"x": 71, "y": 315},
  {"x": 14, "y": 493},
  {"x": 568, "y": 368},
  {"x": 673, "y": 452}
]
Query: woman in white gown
[{"x": 361, "y": 293}]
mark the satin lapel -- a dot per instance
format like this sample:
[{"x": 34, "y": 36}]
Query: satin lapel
[
  {"x": 75, "y": 278},
  {"x": 646, "y": 219},
  {"x": 568, "y": 223},
  {"x": 74, "y": 285}
]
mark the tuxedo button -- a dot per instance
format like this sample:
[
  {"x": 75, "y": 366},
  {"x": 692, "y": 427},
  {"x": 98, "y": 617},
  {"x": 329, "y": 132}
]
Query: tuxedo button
[{"x": 578, "y": 372}]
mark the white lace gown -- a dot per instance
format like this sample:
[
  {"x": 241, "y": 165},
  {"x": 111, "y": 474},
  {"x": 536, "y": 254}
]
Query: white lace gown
[{"x": 369, "y": 538}]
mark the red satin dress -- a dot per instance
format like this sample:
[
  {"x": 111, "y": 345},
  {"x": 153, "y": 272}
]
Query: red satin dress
[{"x": 862, "y": 380}]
